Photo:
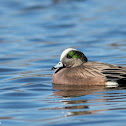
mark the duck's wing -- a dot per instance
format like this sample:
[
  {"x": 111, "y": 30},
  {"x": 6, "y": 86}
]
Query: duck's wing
[
  {"x": 115, "y": 74},
  {"x": 112, "y": 73}
]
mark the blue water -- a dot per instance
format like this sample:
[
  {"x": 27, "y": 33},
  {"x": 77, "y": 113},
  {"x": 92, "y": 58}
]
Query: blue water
[{"x": 33, "y": 33}]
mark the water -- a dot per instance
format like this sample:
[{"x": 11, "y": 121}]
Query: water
[{"x": 32, "y": 36}]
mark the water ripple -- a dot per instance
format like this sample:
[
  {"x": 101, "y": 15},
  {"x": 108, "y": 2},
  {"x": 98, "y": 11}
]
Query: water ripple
[{"x": 33, "y": 34}]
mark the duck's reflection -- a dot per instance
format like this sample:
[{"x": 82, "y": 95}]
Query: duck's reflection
[
  {"x": 78, "y": 106},
  {"x": 75, "y": 90}
]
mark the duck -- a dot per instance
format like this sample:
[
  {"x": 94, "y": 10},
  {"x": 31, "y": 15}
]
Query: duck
[{"x": 75, "y": 69}]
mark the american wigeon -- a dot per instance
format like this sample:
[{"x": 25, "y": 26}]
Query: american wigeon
[{"x": 75, "y": 69}]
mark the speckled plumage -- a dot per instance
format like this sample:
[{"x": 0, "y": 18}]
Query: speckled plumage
[{"x": 89, "y": 73}]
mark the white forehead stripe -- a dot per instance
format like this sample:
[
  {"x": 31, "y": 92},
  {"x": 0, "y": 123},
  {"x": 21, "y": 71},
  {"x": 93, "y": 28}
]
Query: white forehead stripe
[{"x": 65, "y": 52}]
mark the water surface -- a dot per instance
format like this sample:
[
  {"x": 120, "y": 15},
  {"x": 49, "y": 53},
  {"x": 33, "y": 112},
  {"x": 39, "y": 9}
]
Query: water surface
[{"x": 32, "y": 36}]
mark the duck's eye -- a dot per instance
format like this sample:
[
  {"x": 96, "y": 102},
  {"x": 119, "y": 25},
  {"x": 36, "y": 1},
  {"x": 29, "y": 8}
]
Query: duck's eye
[{"x": 69, "y": 57}]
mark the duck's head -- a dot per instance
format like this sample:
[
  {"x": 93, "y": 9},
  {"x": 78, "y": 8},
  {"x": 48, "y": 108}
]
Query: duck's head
[{"x": 71, "y": 57}]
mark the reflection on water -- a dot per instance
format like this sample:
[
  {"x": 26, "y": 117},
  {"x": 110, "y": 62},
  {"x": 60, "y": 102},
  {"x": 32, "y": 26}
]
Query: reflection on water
[
  {"x": 89, "y": 102},
  {"x": 32, "y": 36},
  {"x": 75, "y": 90},
  {"x": 79, "y": 106}
]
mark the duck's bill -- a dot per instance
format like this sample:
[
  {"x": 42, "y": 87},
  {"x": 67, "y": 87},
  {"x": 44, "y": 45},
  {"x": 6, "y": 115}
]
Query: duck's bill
[{"x": 59, "y": 65}]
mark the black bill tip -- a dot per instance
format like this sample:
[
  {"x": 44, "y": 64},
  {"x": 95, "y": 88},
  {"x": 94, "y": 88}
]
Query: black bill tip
[{"x": 53, "y": 68}]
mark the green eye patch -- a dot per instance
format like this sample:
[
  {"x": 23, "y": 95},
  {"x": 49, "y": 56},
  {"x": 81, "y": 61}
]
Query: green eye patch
[{"x": 74, "y": 54}]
